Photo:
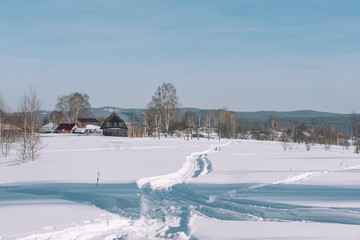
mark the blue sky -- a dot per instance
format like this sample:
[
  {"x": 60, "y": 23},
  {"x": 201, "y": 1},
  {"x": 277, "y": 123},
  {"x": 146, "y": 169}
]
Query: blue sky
[{"x": 243, "y": 55}]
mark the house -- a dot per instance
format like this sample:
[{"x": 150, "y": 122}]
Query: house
[
  {"x": 89, "y": 130},
  {"x": 48, "y": 128},
  {"x": 115, "y": 126},
  {"x": 80, "y": 130},
  {"x": 83, "y": 122},
  {"x": 66, "y": 128}
]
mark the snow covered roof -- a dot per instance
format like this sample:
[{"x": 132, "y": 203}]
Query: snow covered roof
[
  {"x": 49, "y": 126},
  {"x": 92, "y": 127},
  {"x": 80, "y": 130}
]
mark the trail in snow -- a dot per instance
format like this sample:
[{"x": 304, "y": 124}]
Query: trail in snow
[
  {"x": 196, "y": 166},
  {"x": 305, "y": 176}
]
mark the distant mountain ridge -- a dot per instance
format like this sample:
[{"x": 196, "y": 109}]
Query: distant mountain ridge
[
  {"x": 254, "y": 119},
  {"x": 107, "y": 110}
]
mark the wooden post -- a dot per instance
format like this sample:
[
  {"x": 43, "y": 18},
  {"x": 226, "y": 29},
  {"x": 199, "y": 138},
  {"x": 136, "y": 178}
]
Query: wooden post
[
  {"x": 97, "y": 180},
  {"x": 198, "y": 129},
  {"x": 144, "y": 124},
  {"x": 219, "y": 131},
  {"x": 208, "y": 126},
  {"x": 133, "y": 127},
  {"x": 156, "y": 126},
  {"x": 187, "y": 128},
  {"x": 159, "y": 125}
]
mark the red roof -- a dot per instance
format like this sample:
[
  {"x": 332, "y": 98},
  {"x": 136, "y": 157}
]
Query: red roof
[{"x": 65, "y": 127}]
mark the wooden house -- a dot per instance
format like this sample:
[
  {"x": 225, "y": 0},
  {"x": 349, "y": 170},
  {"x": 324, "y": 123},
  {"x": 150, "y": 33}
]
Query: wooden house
[
  {"x": 83, "y": 122},
  {"x": 115, "y": 126},
  {"x": 88, "y": 126},
  {"x": 66, "y": 128}
]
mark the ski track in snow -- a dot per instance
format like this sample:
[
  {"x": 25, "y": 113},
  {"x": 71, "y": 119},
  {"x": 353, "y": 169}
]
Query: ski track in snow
[
  {"x": 162, "y": 207},
  {"x": 196, "y": 166},
  {"x": 305, "y": 176},
  {"x": 312, "y": 174}
]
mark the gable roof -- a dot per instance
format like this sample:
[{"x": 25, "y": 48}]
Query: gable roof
[
  {"x": 113, "y": 115},
  {"x": 66, "y": 126},
  {"x": 88, "y": 120}
]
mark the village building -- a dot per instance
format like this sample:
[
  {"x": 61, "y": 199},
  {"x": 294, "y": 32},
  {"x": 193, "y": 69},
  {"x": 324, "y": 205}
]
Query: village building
[
  {"x": 66, "y": 128},
  {"x": 114, "y": 125},
  {"x": 132, "y": 125},
  {"x": 48, "y": 128},
  {"x": 83, "y": 122},
  {"x": 88, "y": 126}
]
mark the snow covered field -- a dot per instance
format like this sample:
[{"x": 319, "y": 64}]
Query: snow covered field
[{"x": 178, "y": 189}]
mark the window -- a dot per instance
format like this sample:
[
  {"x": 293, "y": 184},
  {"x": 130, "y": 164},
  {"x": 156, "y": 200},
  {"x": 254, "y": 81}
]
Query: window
[{"x": 108, "y": 124}]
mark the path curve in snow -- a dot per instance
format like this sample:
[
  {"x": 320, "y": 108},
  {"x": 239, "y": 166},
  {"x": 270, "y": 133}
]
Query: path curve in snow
[{"x": 196, "y": 166}]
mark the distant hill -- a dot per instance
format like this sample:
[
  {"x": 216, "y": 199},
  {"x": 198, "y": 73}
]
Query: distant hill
[{"x": 292, "y": 114}]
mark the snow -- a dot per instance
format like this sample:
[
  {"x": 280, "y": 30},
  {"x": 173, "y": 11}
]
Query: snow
[
  {"x": 208, "y": 229},
  {"x": 80, "y": 130},
  {"x": 178, "y": 189},
  {"x": 92, "y": 127}
]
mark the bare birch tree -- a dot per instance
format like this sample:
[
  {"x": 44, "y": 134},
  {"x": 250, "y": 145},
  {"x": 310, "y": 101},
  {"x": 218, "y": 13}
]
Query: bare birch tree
[
  {"x": 355, "y": 131},
  {"x": 272, "y": 127},
  {"x": 2, "y": 124},
  {"x": 3, "y": 121},
  {"x": 227, "y": 121},
  {"x": 73, "y": 106},
  {"x": 29, "y": 143},
  {"x": 164, "y": 103},
  {"x": 8, "y": 130}
]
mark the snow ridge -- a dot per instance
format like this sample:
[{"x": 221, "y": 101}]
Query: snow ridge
[
  {"x": 197, "y": 165},
  {"x": 311, "y": 174}
]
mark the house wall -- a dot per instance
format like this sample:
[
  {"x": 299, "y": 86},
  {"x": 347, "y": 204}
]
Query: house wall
[{"x": 117, "y": 132}]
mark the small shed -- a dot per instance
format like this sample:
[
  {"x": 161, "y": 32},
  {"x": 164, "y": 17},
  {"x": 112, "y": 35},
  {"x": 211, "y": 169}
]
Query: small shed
[
  {"x": 115, "y": 126},
  {"x": 66, "y": 128}
]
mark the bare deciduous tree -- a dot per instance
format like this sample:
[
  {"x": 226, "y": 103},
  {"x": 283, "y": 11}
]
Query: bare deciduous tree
[
  {"x": 355, "y": 131},
  {"x": 272, "y": 126},
  {"x": 8, "y": 130},
  {"x": 56, "y": 117},
  {"x": 73, "y": 106},
  {"x": 284, "y": 141},
  {"x": 2, "y": 124},
  {"x": 164, "y": 104},
  {"x": 227, "y": 121},
  {"x": 29, "y": 143}
]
